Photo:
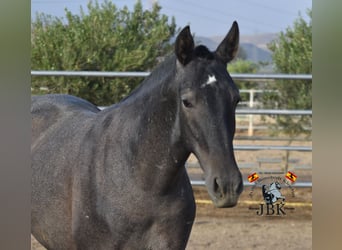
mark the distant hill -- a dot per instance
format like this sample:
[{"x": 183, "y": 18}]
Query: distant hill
[
  {"x": 255, "y": 46},
  {"x": 259, "y": 40},
  {"x": 256, "y": 54}
]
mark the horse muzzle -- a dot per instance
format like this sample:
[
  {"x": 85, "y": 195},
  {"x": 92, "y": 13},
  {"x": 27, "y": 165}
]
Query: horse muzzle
[{"x": 224, "y": 192}]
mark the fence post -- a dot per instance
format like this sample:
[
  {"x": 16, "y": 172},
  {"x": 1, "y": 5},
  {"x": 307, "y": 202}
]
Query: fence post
[{"x": 251, "y": 105}]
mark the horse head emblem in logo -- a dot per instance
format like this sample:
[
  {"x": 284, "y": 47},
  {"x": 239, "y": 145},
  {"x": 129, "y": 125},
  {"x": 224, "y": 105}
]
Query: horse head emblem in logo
[{"x": 272, "y": 193}]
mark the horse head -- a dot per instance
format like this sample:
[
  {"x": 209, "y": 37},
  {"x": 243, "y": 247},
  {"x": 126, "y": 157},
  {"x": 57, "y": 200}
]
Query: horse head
[{"x": 207, "y": 101}]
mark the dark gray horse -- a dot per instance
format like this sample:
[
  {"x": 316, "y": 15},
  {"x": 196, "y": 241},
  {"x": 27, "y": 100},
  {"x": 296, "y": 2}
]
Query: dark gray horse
[{"x": 115, "y": 179}]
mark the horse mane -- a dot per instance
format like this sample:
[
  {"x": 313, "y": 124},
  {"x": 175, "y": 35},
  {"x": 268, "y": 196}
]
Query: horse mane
[{"x": 161, "y": 76}]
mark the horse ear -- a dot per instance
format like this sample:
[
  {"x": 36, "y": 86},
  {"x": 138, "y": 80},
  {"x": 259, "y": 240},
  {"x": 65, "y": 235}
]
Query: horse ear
[
  {"x": 228, "y": 48},
  {"x": 184, "y": 46}
]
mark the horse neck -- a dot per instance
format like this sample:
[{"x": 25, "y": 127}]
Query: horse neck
[
  {"x": 157, "y": 102},
  {"x": 158, "y": 152}
]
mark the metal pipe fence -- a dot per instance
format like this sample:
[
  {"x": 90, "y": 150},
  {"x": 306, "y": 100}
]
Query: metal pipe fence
[
  {"x": 88, "y": 73},
  {"x": 251, "y": 77},
  {"x": 248, "y": 111},
  {"x": 248, "y": 184},
  {"x": 272, "y": 112},
  {"x": 273, "y": 147}
]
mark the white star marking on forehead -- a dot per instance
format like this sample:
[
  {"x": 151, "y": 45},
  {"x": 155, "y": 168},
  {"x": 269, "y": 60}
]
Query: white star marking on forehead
[{"x": 211, "y": 80}]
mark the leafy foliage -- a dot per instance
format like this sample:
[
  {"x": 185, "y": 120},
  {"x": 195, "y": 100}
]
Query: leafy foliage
[
  {"x": 292, "y": 53},
  {"x": 243, "y": 66},
  {"x": 103, "y": 39}
]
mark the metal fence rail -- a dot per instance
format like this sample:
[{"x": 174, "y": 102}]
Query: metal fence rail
[
  {"x": 248, "y": 184},
  {"x": 144, "y": 74},
  {"x": 88, "y": 73},
  {"x": 272, "y": 112},
  {"x": 267, "y": 147}
]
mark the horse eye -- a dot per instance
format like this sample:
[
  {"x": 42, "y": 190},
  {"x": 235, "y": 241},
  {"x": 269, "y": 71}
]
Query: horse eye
[{"x": 187, "y": 104}]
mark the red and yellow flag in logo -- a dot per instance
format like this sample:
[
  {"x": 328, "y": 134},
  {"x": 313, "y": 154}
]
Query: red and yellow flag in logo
[
  {"x": 291, "y": 176},
  {"x": 253, "y": 177}
]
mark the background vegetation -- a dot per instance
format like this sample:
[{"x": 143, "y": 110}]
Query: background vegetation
[
  {"x": 292, "y": 54},
  {"x": 103, "y": 39}
]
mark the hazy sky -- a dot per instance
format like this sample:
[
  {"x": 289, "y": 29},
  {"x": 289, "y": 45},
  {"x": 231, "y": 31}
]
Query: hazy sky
[{"x": 207, "y": 18}]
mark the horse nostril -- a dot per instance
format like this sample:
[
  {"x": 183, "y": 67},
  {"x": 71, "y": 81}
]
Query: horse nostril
[{"x": 217, "y": 188}]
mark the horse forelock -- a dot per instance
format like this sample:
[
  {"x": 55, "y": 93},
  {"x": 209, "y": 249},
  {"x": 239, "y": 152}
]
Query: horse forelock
[{"x": 202, "y": 51}]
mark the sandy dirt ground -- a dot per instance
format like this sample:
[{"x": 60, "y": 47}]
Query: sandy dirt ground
[
  {"x": 240, "y": 227},
  {"x": 237, "y": 233}
]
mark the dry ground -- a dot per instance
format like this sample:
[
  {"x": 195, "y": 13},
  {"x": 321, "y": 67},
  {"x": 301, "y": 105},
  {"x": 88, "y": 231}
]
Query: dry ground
[{"x": 241, "y": 228}]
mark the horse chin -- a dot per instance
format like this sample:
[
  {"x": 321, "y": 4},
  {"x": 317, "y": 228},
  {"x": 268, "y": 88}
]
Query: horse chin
[{"x": 225, "y": 202}]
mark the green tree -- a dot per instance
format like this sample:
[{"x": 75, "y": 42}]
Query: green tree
[
  {"x": 240, "y": 66},
  {"x": 292, "y": 54},
  {"x": 103, "y": 39}
]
